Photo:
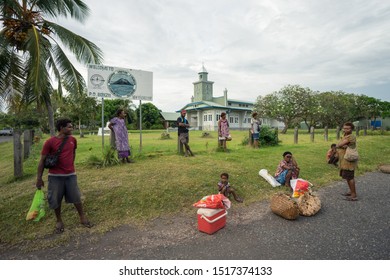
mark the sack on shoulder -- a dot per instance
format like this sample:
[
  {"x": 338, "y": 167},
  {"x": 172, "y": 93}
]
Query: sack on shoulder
[
  {"x": 50, "y": 161},
  {"x": 351, "y": 154}
]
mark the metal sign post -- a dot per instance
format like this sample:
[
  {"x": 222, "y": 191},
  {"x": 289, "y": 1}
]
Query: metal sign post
[
  {"x": 140, "y": 126},
  {"x": 103, "y": 125}
]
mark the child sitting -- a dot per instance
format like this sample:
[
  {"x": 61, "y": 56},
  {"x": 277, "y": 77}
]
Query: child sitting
[
  {"x": 225, "y": 188},
  {"x": 332, "y": 156}
]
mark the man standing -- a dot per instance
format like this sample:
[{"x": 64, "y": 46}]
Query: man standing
[
  {"x": 183, "y": 125},
  {"x": 62, "y": 179}
]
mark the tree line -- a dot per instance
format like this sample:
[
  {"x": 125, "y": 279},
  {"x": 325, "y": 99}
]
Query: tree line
[
  {"x": 84, "y": 111},
  {"x": 294, "y": 104}
]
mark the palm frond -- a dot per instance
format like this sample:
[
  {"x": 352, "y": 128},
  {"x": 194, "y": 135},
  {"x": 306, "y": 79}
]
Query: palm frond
[
  {"x": 74, "y": 8},
  {"x": 72, "y": 80},
  {"x": 38, "y": 78},
  {"x": 11, "y": 72},
  {"x": 85, "y": 51}
]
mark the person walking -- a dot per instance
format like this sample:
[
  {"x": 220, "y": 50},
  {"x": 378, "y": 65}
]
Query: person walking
[
  {"x": 118, "y": 127},
  {"x": 223, "y": 131},
  {"x": 183, "y": 125},
  {"x": 62, "y": 179},
  {"x": 347, "y": 168}
]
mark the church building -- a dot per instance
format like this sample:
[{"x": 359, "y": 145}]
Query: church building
[{"x": 205, "y": 110}]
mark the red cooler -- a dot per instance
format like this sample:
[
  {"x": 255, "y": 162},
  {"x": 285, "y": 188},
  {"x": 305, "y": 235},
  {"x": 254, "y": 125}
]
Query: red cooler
[{"x": 211, "y": 220}]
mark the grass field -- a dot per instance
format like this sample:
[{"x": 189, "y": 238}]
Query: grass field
[{"x": 161, "y": 182}]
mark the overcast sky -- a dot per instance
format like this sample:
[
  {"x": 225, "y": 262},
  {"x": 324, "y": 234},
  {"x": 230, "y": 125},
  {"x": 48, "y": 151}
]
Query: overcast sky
[{"x": 250, "y": 47}]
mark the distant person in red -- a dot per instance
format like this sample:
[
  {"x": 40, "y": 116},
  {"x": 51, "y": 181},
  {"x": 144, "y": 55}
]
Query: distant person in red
[
  {"x": 62, "y": 179},
  {"x": 332, "y": 156}
]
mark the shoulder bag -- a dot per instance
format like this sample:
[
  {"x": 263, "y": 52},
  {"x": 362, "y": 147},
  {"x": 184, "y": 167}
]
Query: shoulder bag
[
  {"x": 51, "y": 160},
  {"x": 351, "y": 154}
]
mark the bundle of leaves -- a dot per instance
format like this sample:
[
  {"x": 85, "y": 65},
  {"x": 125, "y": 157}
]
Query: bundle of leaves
[
  {"x": 109, "y": 158},
  {"x": 165, "y": 135}
]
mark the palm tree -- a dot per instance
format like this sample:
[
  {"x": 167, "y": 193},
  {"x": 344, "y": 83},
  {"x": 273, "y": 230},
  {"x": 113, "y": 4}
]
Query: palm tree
[{"x": 31, "y": 51}]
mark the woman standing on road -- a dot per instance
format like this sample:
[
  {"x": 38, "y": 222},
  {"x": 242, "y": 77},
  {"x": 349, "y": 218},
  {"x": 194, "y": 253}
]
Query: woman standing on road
[{"x": 347, "y": 168}]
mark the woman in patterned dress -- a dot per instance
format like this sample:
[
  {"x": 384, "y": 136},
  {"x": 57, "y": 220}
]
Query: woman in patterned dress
[{"x": 118, "y": 127}]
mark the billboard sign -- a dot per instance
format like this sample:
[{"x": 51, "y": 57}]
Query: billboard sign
[{"x": 119, "y": 83}]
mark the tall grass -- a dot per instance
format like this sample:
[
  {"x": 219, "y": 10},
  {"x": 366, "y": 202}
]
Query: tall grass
[{"x": 161, "y": 182}]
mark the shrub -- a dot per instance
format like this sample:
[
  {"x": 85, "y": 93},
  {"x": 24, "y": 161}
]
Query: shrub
[
  {"x": 268, "y": 136},
  {"x": 165, "y": 135},
  {"x": 110, "y": 157}
]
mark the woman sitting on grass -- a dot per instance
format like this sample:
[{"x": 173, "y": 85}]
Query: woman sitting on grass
[{"x": 287, "y": 169}]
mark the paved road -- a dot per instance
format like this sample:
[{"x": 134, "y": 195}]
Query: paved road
[{"x": 341, "y": 230}]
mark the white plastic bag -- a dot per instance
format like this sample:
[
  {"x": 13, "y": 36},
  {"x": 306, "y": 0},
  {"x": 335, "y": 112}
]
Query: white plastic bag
[
  {"x": 300, "y": 186},
  {"x": 269, "y": 178}
]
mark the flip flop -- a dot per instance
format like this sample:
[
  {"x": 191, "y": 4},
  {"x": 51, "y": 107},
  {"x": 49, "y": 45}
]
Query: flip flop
[
  {"x": 87, "y": 224},
  {"x": 346, "y": 194},
  {"x": 351, "y": 198}
]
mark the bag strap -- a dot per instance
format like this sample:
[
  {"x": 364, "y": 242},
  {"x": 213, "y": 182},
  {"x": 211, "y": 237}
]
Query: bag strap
[{"x": 61, "y": 146}]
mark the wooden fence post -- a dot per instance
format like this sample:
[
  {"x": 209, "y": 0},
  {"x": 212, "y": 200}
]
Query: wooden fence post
[
  {"x": 250, "y": 139},
  {"x": 112, "y": 139},
  {"x": 296, "y": 135},
  {"x": 27, "y": 143},
  {"x": 338, "y": 133},
  {"x": 326, "y": 135},
  {"x": 18, "y": 162},
  {"x": 312, "y": 134}
]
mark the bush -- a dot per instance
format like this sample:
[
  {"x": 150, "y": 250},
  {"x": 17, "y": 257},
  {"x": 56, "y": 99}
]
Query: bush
[
  {"x": 110, "y": 157},
  {"x": 268, "y": 136},
  {"x": 245, "y": 141},
  {"x": 165, "y": 135}
]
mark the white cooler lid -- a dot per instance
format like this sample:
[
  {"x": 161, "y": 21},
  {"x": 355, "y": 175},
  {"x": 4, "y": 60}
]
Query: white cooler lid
[{"x": 208, "y": 212}]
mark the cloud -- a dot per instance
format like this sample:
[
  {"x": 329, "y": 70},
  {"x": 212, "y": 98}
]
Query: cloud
[{"x": 250, "y": 48}]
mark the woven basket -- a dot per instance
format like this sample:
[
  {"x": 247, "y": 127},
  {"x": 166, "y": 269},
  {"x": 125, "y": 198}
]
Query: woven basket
[
  {"x": 308, "y": 204},
  {"x": 385, "y": 168},
  {"x": 284, "y": 206}
]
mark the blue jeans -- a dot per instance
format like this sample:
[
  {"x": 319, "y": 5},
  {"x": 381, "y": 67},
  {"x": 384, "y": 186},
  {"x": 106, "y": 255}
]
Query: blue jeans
[{"x": 281, "y": 178}]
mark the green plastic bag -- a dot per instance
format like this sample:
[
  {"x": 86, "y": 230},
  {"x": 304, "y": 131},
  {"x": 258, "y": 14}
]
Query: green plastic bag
[{"x": 37, "y": 209}]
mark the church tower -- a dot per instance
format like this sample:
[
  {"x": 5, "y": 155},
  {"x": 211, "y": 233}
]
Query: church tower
[{"x": 203, "y": 89}]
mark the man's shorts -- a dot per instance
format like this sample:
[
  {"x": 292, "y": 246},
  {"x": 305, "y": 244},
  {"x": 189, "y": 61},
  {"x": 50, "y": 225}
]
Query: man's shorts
[
  {"x": 183, "y": 137},
  {"x": 256, "y": 136},
  {"x": 281, "y": 178},
  {"x": 60, "y": 186},
  {"x": 347, "y": 174}
]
